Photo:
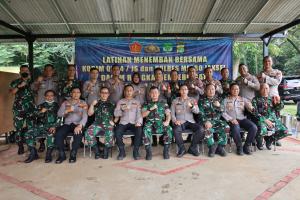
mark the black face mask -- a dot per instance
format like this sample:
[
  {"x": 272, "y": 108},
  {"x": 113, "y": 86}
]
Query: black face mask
[{"x": 24, "y": 75}]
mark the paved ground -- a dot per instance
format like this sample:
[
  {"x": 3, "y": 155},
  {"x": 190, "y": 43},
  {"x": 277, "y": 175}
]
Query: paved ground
[{"x": 264, "y": 175}]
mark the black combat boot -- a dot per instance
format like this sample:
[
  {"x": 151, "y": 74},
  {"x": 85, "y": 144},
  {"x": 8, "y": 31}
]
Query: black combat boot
[
  {"x": 72, "y": 158},
  {"x": 48, "y": 158},
  {"x": 221, "y": 150},
  {"x": 212, "y": 150},
  {"x": 148, "y": 152},
  {"x": 97, "y": 151},
  {"x": 239, "y": 150},
  {"x": 42, "y": 145},
  {"x": 246, "y": 149},
  {"x": 61, "y": 157},
  {"x": 268, "y": 142},
  {"x": 193, "y": 150},
  {"x": 32, "y": 156},
  {"x": 106, "y": 152},
  {"x": 21, "y": 148},
  {"x": 259, "y": 143},
  {"x": 122, "y": 154},
  {"x": 166, "y": 151}
]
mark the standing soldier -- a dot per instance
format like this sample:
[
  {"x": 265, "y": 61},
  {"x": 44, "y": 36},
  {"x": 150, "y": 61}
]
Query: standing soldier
[
  {"x": 23, "y": 105},
  {"x": 270, "y": 126},
  {"x": 65, "y": 85},
  {"x": 103, "y": 124},
  {"x": 115, "y": 85},
  {"x": 235, "y": 107},
  {"x": 248, "y": 83},
  {"x": 163, "y": 87},
  {"x": 42, "y": 84},
  {"x": 225, "y": 82},
  {"x": 128, "y": 110},
  {"x": 210, "y": 80},
  {"x": 195, "y": 85},
  {"x": 157, "y": 116},
  {"x": 46, "y": 114},
  {"x": 211, "y": 111},
  {"x": 139, "y": 88},
  {"x": 270, "y": 76},
  {"x": 174, "y": 85},
  {"x": 182, "y": 110},
  {"x": 74, "y": 112}
]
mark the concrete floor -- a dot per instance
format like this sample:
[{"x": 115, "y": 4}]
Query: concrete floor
[{"x": 264, "y": 175}]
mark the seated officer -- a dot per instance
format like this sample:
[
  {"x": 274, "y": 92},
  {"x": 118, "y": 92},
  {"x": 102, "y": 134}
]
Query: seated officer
[
  {"x": 235, "y": 107},
  {"x": 46, "y": 113},
  {"x": 157, "y": 119},
  {"x": 103, "y": 124},
  {"x": 270, "y": 126},
  {"x": 128, "y": 110},
  {"x": 74, "y": 112},
  {"x": 215, "y": 128},
  {"x": 182, "y": 110}
]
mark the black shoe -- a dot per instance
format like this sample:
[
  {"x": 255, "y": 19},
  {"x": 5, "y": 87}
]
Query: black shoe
[
  {"x": 122, "y": 154},
  {"x": 239, "y": 150},
  {"x": 21, "y": 148},
  {"x": 211, "y": 150},
  {"x": 246, "y": 149},
  {"x": 106, "y": 152},
  {"x": 268, "y": 143},
  {"x": 48, "y": 158},
  {"x": 278, "y": 143},
  {"x": 166, "y": 151},
  {"x": 97, "y": 152},
  {"x": 135, "y": 153},
  {"x": 61, "y": 157},
  {"x": 221, "y": 151},
  {"x": 193, "y": 151},
  {"x": 32, "y": 156},
  {"x": 72, "y": 158},
  {"x": 148, "y": 152},
  {"x": 181, "y": 151},
  {"x": 42, "y": 147},
  {"x": 259, "y": 144}
]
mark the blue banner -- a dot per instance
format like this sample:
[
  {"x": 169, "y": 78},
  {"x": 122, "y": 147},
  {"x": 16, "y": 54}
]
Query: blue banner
[{"x": 144, "y": 55}]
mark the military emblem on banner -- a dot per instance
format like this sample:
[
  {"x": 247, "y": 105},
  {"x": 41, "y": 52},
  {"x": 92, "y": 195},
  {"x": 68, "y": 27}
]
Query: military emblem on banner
[
  {"x": 167, "y": 47},
  {"x": 152, "y": 49},
  {"x": 135, "y": 47},
  {"x": 180, "y": 47}
]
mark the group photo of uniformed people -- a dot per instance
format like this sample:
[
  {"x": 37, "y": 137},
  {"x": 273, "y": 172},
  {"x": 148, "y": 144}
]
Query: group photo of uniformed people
[{"x": 46, "y": 111}]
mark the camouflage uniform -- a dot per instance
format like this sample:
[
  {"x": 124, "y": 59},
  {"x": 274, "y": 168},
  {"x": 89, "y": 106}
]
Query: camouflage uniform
[
  {"x": 45, "y": 121},
  {"x": 64, "y": 90},
  {"x": 226, "y": 87},
  {"x": 198, "y": 90},
  {"x": 154, "y": 122},
  {"x": 210, "y": 112},
  {"x": 216, "y": 83},
  {"x": 265, "y": 109},
  {"x": 103, "y": 115},
  {"x": 22, "y": 107}
]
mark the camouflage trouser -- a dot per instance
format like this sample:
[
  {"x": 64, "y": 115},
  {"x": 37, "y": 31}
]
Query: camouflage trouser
[
  {"x": 99, "y": 129},
  {"x": 22, "y": 118},
  {"x": 280, "y": 131},
  {"x": 38, "y": 131},
  {"x": 219, "y": 131},
  {"x": 157, "y": 127}
]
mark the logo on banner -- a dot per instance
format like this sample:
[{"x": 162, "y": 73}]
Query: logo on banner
[
  {"x": 135, "y": 47},
  {"x": 180, "y": 47},
  {"x": 167, "y": 47},
  {"x": 152, "y": 49}
]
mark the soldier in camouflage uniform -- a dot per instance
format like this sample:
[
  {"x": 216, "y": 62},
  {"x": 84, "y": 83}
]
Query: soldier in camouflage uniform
[
  {"x": 43, "y": 83},
  {"x": 269, "y": 125},
  {"x": 23, "y": 105},
  {"x": 157, "y": 119},
  {"x": 210, "y": 80},
  {"x": 65, "y": 85},
  {"x": 46, "y": 114},
  {"x": 103, "y": 123},
  {"x": 225, "y": 82},
  {"x": 174, "y": 84},
  {"x": 211, "y": 110},
  {"x": 195, "y": 85}
]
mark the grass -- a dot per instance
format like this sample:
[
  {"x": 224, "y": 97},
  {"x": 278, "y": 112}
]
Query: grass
[{"x": 290, "y": 109}]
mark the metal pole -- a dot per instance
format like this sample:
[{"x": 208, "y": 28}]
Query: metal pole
[{"x": 30, "y": 41}]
